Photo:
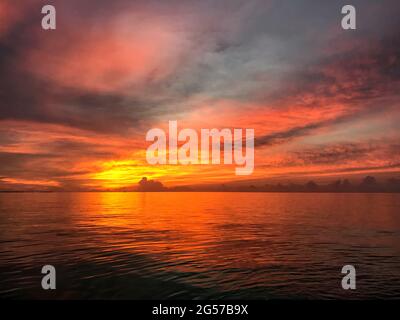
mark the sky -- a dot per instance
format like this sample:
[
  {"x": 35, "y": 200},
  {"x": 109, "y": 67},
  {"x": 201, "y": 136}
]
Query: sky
[{"x": 76, "y": 102}]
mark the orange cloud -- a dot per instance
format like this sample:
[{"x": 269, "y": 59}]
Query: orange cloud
[{"x": 112, "y": 55}]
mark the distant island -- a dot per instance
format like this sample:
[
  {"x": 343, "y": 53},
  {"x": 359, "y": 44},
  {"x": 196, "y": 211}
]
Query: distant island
[{"x": 368, "y": 184}]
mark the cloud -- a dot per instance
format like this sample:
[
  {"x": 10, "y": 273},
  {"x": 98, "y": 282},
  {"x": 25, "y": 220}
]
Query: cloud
[
  {"x": 146, "y": 185},
  {"x": 335, "y": 154}
]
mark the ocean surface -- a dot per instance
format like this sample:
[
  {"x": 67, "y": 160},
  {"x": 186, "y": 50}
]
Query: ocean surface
[{"x": 199, "y": 245}]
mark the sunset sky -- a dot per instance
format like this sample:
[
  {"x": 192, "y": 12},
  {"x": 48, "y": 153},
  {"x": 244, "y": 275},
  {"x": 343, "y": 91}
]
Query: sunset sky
[{"x": 76, "y": 103}]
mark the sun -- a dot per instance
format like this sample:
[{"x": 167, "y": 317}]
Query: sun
[{"x": 116, "y": 174}]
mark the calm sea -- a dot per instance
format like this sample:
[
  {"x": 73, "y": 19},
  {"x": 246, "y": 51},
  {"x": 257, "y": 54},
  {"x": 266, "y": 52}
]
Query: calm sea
[{"x": 199, "y": 245}]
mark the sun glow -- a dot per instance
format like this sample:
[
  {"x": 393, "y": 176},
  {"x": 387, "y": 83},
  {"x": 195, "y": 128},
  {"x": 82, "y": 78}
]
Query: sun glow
[{"x": 127, "y": 173}]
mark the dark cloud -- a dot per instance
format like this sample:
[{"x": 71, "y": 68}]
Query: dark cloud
[
  {"x": 77, "y": 149},
  {"x": 146, "y": 185},
  {"x": 335, "y": 154},
  {"x": 38, "y": 166},
  {"x": 350, "y": 170},
  {"x": 352, "y": 77},
  {"x": 285, "y": 136},
  {"x": 20, "y": 165}
]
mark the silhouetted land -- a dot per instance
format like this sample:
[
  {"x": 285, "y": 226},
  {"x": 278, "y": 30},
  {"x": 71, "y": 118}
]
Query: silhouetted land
[{"x": 368, "y": 185}]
